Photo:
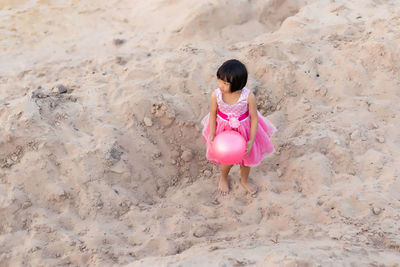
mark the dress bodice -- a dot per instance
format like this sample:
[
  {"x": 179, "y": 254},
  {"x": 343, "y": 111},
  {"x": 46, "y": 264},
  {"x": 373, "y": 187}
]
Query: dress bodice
[{"x": 237, "y": 109}]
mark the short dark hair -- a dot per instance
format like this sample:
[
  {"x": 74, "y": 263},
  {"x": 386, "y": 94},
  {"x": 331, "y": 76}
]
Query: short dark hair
[{"x": 234, "y": 72}]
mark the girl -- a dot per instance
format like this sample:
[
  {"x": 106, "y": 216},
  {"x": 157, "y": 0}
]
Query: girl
[{"x": 234, "y": 107}]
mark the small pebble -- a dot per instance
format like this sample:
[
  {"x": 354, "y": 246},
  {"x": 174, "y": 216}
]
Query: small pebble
[
  {"x": 62, "y": 89},
  {"x": 187, "y": 155},
  {"x": 376, "y": 210},
  {"x": 99, "y": 203},
  {"x": 115, "y": 154},
  {"x": 308, "y": 107},
  {"x": 148, "y": 122},
  {"x": 238, "y": 211},
  {"x": 156, "y": 155},
  {"x": 381, "y": 139},
  {"x": 215, "y": 202},
  {"x": 26, "y": 204}
]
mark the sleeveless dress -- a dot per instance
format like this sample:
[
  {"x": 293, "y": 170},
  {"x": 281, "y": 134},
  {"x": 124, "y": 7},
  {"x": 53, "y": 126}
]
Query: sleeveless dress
[{"x": 237, "y": 117}]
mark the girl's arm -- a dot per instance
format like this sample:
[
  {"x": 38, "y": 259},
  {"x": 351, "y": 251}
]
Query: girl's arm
[
  {"x": 254, "y": 121},
  {"x": 213, "y": 116}
]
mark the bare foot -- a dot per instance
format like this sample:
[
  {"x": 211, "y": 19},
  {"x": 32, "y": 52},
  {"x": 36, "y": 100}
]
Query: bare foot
[
  {"x": 252, "y": 190},
  {"x": 223, "y": 187}
]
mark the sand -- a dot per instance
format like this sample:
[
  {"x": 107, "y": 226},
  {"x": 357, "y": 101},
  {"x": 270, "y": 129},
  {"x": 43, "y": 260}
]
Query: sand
[{"x": 101, "y": 157}]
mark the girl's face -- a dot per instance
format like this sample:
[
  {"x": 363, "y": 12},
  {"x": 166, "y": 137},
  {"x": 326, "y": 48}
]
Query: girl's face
[{"x": 224, "y": 86}]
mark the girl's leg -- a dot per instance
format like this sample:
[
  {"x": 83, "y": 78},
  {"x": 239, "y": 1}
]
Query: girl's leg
[
  {"x": 223, "y": 186},
  {"x": 244, "y": 171}
]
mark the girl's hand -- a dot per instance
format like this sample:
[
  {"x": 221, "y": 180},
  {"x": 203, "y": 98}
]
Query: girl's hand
[{"x": 248, "y": 148}]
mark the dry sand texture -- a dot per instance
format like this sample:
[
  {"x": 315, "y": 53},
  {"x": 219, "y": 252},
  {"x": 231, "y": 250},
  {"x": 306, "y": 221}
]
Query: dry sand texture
[{"x": 101, "y": 157}]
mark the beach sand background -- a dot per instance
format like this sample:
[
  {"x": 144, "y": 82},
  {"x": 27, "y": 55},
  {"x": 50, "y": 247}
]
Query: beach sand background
[{"x": 101, "y": 157}]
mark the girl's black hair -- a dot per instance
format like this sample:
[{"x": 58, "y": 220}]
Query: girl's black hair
[{"x": 234, "y": 72}]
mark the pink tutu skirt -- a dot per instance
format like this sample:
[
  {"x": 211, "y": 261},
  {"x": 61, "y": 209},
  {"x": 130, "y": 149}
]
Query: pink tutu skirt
[{"x": 262, "y": 144}]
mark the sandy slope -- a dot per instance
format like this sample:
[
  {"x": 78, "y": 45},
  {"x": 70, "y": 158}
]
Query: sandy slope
[{"x": 101, "y": 157}]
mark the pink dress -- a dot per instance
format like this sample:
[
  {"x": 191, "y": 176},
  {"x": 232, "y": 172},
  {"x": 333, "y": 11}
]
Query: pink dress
[{"x": 234, "y": 117}]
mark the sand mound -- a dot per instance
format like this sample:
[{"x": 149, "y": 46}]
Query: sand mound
[{"x": 101, "y": 156}]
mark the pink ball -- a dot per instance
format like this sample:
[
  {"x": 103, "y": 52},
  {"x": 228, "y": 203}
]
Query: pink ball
[{"x": 229, "y": 147}]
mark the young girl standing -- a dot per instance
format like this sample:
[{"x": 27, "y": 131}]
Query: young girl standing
[{"x": 234, "y": 107}]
